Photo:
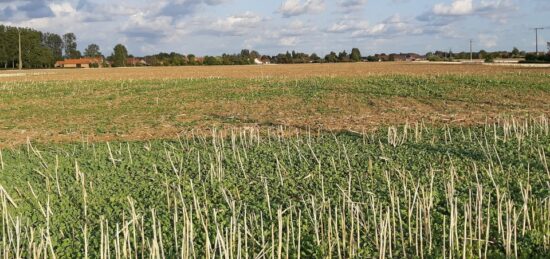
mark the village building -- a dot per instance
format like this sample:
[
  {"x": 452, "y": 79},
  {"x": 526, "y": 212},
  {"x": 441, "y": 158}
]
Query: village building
[
  {"x": 80, "y": 63},
  {"x": 262, "y": 61},
  {"x": 136, "y": 62}
]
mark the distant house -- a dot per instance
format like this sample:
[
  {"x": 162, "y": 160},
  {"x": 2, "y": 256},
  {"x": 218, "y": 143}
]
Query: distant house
[
  {"x": 80, "y": 63},
  {"x": 136, "y": 62},
  {"x": 264, "y": 60}
]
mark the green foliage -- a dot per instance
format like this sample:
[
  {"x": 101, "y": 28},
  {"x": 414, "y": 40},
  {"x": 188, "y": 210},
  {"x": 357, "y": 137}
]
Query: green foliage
[
  {"x": 211, "y": 61},
  {"x": 489, "y": 58},
  {"x": 275, "y": 190},
  {"x": 355, "y": 55},
  {"x": 307, "y": 193},
  {"x": 39, "y": 50},
  {"x": 92, "y": 51},
  {"x": 331, "y": 57},
  {"x": 70, "y": 46},
  {"x": 119, "y": 56},
  {"x": 533, "y": 58}
]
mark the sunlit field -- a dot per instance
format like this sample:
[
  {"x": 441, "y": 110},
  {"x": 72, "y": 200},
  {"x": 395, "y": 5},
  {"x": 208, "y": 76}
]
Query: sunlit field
[{"x": 281, "y": 161}]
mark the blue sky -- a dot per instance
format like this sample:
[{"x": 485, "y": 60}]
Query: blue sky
[{"x": 209, "y": 27}]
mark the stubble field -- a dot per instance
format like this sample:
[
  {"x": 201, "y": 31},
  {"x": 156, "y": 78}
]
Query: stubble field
[{"x": 300, "y": 161}]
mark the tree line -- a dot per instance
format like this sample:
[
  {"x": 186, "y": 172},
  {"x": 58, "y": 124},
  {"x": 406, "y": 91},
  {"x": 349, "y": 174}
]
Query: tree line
[
  {"x": 247, "y": 57},
  {"x": 42, "y": 50},
  {"x": 39, "y": 50}
]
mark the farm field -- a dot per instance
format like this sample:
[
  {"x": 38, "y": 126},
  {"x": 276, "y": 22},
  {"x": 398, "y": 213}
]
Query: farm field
[
  {"x": 72, "y": 107},
  {"x": 305, "y": 161}
]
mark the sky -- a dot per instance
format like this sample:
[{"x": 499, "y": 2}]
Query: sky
[{"x": 213, "y": 27}]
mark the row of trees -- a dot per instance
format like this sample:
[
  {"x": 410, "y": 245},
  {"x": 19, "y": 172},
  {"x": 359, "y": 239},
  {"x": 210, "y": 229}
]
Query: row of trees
[
  {"x": 247, "y": 57},
  {"x": 482, "y": 54},
  {"x": 42, "y": 50},
  {"x": 39, "y": 49},
  {"x": 532, "y": 58}
]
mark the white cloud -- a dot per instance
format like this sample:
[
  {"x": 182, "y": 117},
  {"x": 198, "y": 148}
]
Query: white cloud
[
  {"x": 392, "y": 26},
  {"x": 235, "y": 25},
  {"x": 444, "y": 14},
  {"x": 142, "y": 27},
  {"x": 488, "y": 41},
  {"x": 288, "y": 41},
  {"x": 291, "y": 8},
  {"x": 348, "y": 25},
  {"x": 457, "y": 7}
]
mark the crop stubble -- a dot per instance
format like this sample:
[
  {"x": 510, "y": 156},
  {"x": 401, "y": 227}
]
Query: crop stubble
[{"x": 153, "y": 103}]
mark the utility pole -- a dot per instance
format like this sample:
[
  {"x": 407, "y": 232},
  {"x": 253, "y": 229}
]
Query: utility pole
[
  {"x": 537, "y": 38},
  {"x": 471, "y": 51},
  {"x": 20, "y": 58}
]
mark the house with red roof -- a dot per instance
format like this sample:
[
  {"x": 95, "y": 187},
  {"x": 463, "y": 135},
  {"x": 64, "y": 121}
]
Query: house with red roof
[{"x": 80, "y": 63}]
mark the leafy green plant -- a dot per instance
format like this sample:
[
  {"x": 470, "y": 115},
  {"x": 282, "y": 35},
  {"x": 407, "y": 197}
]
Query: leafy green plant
[{"x": 408, "y": 191}]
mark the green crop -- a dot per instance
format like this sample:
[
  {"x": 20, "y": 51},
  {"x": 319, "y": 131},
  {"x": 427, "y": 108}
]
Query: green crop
[{"x": 409, "y": 191}]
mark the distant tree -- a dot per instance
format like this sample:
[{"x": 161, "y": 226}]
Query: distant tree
[
  {"x": 92, "y": 51},
  {"x": 355, "y": 55},
  {"x": 482, "y": 54},
  {"x": 331, "y": 58},
  {"x": 70, "y": 46},
  {"x": 245, "y": 53},
  {"x": 343, "y": 56},
  {"x": 119, "y": 56},
  {"x": 288, "y": 57},
  {"x": 55, "y": 43},
  {"x": 191, "y": 59},
  {"x": 372, "y": 59},
  {"x": 489, "y": 58},
  {"x": 515, "y": 52},
  {"x": 255, "y": 54},
  {"x": 211, "y": 61},
  {"x": 315, "y": 58}
]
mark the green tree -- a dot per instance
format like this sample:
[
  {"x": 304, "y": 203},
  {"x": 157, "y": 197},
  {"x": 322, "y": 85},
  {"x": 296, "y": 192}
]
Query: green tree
[
  {"x": 55, "y": 43},
  {"x": 343, "y": 56},
  {"x": 92, "y": 51},
  {"x": 70, "y": 46},
  {"x": 355, "y": 55},
  {"x": 489, "y": 58},
  {"x": 315, "y": 58},
  {"x": 331, "y": 58},
  {"x": 211, "y": 61},
  {"x": 3, "y": 47},
  {"x": 515, "y": 52},
  {"x": 119, "y": 56},
  {"x": 288, "y": 57},
  {"x": 482, "y": 54},
  {"x": 191, "y": 59}
]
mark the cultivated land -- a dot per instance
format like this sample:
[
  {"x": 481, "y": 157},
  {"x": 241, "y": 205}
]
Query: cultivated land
[
  {"x": 152, "y": 103},
  {"x": 305, "y": 161}
]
